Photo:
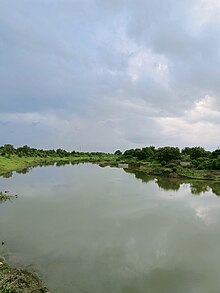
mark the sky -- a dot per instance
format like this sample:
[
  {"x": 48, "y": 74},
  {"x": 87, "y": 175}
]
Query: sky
[{"x": 102, "y": 75}]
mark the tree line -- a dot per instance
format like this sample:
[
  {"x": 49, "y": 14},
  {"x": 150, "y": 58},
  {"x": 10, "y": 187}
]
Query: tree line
[
  {"x": 194, "y": 157},
  {"x": 9, "y": 149}
]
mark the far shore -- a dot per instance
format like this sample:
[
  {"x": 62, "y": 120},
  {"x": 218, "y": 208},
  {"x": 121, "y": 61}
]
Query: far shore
[{"x": 13, "y": 163}]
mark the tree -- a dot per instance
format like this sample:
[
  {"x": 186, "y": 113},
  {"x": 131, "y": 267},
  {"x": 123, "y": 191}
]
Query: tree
[
  {"x": 167, "y": 154},
  {"x": 149, "y": 152},
  {"x": 8, "y": 149},
  {"x": 118, "y": 153},
  {"x": 197, "y": 152},
  {"x": 61, "y": 152},
  {"x": 129, "y": 153},
  {"x": 216, "y": 154}
]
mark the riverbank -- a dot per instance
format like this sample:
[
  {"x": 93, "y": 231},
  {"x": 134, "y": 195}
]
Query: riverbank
[
  {"x": 172, "y": 170},
  {"x": 177, "y": 171},
  {"x": 14, "y": 280},
  {"x": 16, "y": 163}
]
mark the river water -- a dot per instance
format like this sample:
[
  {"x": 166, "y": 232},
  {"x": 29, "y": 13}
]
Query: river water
[{"x": 86, "y": 229}]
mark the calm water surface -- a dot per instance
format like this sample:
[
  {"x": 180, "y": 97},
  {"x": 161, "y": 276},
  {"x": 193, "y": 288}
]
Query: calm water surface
[{"x": 92, "y": 230}]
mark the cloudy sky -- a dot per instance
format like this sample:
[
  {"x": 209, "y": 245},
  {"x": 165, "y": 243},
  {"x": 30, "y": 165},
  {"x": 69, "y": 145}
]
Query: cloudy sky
[{"x": 110, "y": 74}]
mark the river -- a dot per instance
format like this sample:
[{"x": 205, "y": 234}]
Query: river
[{"x": 86, "y": 229}]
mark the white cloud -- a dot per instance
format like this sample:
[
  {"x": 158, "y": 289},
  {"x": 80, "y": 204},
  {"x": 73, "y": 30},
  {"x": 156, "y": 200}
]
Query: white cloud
[
  {"x": 205, "y": 12},
  {"x": 195, "y": 126},
  {"x": 146, "y": 64}
]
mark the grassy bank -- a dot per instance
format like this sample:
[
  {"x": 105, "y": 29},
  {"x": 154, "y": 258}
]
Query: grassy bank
[
  {"x": 171, "y": 170},
  {"x": 16, "y": 163},
  {"x": 12, "y": 163},
  {"x": 193, "y": 163},
  {"x": 8, "y": 164},
  {"x": 18, "y": 281},
  {"x": 176, "y": 171}
]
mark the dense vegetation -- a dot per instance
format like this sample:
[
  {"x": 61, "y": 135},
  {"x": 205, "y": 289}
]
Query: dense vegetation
[
  {"x": 195, "y": 157},
  {"x": 190, "y": 162},
  {"x": 8, "y": 150}
]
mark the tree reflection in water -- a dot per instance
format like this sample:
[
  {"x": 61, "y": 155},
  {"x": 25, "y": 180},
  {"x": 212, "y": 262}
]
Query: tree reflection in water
[{"x": 197, "y": 187}]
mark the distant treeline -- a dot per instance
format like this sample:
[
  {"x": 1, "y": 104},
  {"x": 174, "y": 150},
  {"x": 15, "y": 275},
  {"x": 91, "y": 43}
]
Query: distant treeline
[
  {"x": 192, "y": 157},
  {"x": 196, "y": 157},
  {"x": 8, "y": 150}
]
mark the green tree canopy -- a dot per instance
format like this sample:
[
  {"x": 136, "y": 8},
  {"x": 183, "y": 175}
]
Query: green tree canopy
[{"x": 168, "y": 153}]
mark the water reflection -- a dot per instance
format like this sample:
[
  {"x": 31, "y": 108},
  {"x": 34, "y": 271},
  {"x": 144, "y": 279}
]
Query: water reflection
[
  {"x": 23, "y": 171},
  {"x": 42, "y": 164},
  {"x": 7, "y": 175},
  {"x": 197, "y": 187},
  {"x": 62, "y": 163}
]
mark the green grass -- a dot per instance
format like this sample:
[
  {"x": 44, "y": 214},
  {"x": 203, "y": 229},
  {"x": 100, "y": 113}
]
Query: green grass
[
  {"x": 199, "y": 174},
  {"x": 16, "y": 163},
  {"x": 12, "y": 163}
]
